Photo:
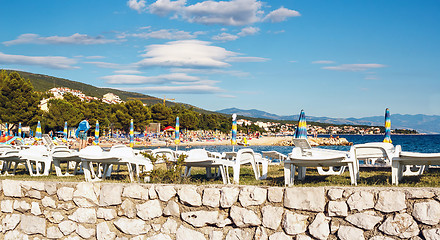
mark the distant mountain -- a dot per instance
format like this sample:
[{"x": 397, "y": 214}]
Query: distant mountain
[
  {"x": 43, "y": 83},
  {"x": 420, "y": 122}
]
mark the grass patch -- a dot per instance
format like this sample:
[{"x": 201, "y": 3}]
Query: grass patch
[{"x": 368, "y": 177}]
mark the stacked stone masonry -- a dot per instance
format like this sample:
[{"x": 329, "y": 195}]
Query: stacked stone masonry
[{"x": 50, "y": 210}]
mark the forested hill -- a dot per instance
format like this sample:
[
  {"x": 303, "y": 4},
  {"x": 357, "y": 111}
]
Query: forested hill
[{"x": 43, "y": 83}]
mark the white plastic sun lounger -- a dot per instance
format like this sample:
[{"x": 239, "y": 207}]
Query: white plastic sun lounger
[
  {"x": 8, "y": 157},
  {"x": 62, "y": 154},
  {"x": 95, "y": 155},
  {"x": 235, "y": 160},
  {"x": 317, "y": 159},
  {"x": 135, "y": 163},
  {"x": 405, "y": 159},
  {"x": 306, "y": 149},
  {"x": 40, "y": 157},
  {"x": 382, "y": 154},
  {"x": 202, "y": 158}
]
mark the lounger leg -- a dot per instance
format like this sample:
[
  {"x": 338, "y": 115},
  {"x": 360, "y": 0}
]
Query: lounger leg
[
  {"x": 256, "y": 170},
  {"x": 394, "y": 172},
  {"x": 264, "y": 166},
  {"x": 302, "y": 173},
  {"x": 29, "y": 164},
  {"x": 130, "y": 172},
  {"x": 236, "y": 169},
  {"x": 289, "y": 174},
  {"x": 57, "y": 165},
  {"x": 208, "y": 172},
  {"x": 351, "y": 169},
  {"x": 87, "y": 171},
  {"x": 221, "y": 170},
  {"x": 75, "y": 170}
]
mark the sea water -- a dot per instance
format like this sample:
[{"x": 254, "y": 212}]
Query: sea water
[{"x": 409, "y": 143}]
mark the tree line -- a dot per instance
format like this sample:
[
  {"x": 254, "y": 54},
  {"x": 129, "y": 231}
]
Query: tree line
[{"x": 20, "y": 103}]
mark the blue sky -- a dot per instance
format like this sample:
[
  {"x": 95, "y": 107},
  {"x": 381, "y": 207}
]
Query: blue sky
[{"x": 340, "y": 58}]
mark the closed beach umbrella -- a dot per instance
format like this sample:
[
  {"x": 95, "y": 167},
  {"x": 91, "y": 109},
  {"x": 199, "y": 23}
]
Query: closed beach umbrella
[
  {"x": 97, "y": 133},
  {"x": 65, "y": 131},
  {"x": 234, "y": 129},
  {"x": 177, "y": 132},
  {"x": 38, "y": 133},
  {"x": 301, "y": 130},
  {"x": 7, "y": 129},
  {"x": 131, "y": 134},
  {"x": 387, "y": 126},
  {"x": 19, "y": 130}
]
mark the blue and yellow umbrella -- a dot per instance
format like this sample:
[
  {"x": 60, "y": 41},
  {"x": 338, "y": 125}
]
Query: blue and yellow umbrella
[
  {"x": 19, "y": 130},
  {"x": 234, "y": 129},
  {"x": 177, "y": 132},
  {"x": 301, "y": 130},
  {"x": 97, "y": 133},
  {"x": 7, "y": 129},
  {"x": 387, "y": 127},
  {"x": 65, "y": 131},
  {"x": 38, "y": 133},
  {"x": 131, "y": 134}
]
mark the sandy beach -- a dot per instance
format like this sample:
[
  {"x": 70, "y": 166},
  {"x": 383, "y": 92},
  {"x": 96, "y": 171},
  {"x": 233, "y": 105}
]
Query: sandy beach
[{"x": 262, "y": 141}]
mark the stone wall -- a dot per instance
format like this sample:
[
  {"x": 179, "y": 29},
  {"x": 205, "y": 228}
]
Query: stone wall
[{"x": 50, "y": 210}]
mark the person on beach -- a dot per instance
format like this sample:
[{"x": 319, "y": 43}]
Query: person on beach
[{"x": 81, "y": 133}]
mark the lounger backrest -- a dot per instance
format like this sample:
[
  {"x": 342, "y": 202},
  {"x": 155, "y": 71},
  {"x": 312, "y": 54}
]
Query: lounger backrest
[
  {"x": 196, "y": 155},
  {"x": 301, "y": 143},
  {"x": 164, "y": 151},
  {"x": 245, "y": 156},
  {"x": 374, "y": 150},
  {"x": 122, "y": 151},
  {"x": 61, "y": 152},
  {"x": 91, "y": 150}
]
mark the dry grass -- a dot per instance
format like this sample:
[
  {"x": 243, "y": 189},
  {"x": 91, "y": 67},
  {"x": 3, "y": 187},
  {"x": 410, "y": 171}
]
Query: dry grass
[{"x": 368, "y": 177}]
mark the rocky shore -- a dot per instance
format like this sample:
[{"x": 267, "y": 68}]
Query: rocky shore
[{"x": 318, "y": 142}]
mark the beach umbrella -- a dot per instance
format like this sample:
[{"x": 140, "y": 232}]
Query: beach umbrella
[
  {"x": 19, "y": 130},
  {"x": 234, "y": 130},
  {"x": 301, "y": 130},
  {"x": 131, "y": 134},
  {"x": 387, "y": 126},
  {"x": 177, "y": 132},
  {"x": 7, "y": 129},
  {"x": 97, "y": 133},
  {"x": 65, "y": 131},
  {"x": 38, "y": 133}
]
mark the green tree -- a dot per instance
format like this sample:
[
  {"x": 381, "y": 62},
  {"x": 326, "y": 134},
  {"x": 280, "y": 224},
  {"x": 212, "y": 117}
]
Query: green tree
[
  {"x": 61, "y": 111},
  {"x": 162, "y": 114},
  {"x": 141, "y": 115},
  {"x": 18, "y": 101}
]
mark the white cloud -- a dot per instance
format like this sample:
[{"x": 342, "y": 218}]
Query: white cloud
[
  {"x": 355, "y": 67},
  {"x": 44, "y": 61},
  {"x": 192, "y": 89},
  {"x": 94, "y": 57},
  {"x": 136, "y": 79},
  {"x": 281, "y": 14},
  {"x": 233, "y": 12},
  {"x": 171, "y": 34},
  {"x": 226, "y": 96},
  {"x": 186, "y": 53},
  {"x": 139, "y": 6},
  {"x": 77, "y": 39},
  {"x": 224, "y": 37},
  {"x": 108, "y": 65},
  {"x": 211, "y": 71},
  {"x": 323, "y": 62},
  {"x": 248, "y": 31},
  {"x": 128, "y": 71},
  {"x": 247, "y": 59},
  {"x": 165, "y": 7}
]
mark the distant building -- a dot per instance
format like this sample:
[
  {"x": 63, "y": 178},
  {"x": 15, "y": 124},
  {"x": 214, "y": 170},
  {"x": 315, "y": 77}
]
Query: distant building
[{"x": 111, "y": 98}]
